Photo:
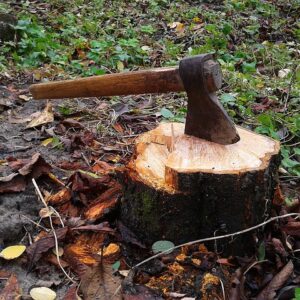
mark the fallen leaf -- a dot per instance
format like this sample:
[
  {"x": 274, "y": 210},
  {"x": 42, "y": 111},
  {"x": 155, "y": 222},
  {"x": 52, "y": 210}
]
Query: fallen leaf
[
  {"x": 161, "y": 246},
  {"x": 12, "y": 183},
  {"x": 283, "y": 73},
  {"x": 45, "y": 212},
  {"x": 269, "y": 292},
  {"x": 59, "y": 253},
  {"x": 224, "y": 261},
  {"x": 60, "y": 197},
  {"x": 24, "y": 97},
  {"x": 100, "y": 283},
  {"x": 72, "y": 293},
  {"x": 118, "y": 127},
  {"x": 42, "y": 293},
  {"x": 12, "y": 252},
  {"x": 104, "y": 227},
  {"x": 102, "y": 167},
  {"x": 178, "y": 26},
  {"x": 44, "y": 117},
  {"x": 111, "y": 251},
  {"x": 131, "y": 291},
  {"x": 26, "y": 166},
  {"x": 210, "y": 284},
  {"x": 46, "y": 142},
  {"x": 83, "y": 251},
  {"x": 12, "y": 290},
  {"x": 71, "y": 123},
  {"x": 38, "y": 248},
  {"x": 128, "y": 236},
  {"x": 292, "y": 228},
  {"x": 104, "y": 204}
]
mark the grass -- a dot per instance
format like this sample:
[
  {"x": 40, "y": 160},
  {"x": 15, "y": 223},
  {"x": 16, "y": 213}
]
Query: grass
[{"x": 256, "y": 42}]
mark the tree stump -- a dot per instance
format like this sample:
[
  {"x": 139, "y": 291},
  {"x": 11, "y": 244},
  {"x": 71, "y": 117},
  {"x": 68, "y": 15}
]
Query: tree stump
[{"x": 182, "y": 188}]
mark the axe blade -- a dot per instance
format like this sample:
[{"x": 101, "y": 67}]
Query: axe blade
[{"x": 206, "y": 117}]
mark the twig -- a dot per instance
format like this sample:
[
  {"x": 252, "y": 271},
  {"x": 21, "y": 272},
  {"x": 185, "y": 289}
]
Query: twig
[
  {"x": 52, "y": 229},
  {"x": 36, "y": 224},
  {"x": 223, "y": 289},
  {"x": 217, "y": 237},
  {"x": 254, "y": 264}
]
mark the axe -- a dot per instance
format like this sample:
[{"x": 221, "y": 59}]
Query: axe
[{"x": 200, "y": 76}]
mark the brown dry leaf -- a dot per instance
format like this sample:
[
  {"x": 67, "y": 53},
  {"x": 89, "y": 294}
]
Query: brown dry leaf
[
  {"x": 24, "y": 97},
  {"x": 269, "y": 292},
  {"x": 128, "y": 236},
  {"x": 104, "y": 204},
  {"x": 43, "y": 117},
  {"x": 292, "y": 228},
  {"x": 100, "y": 283},
  {"x": 26, "y": 169},
  {"x": 12, "y": 290},
  {"x": 178, "y": 26},
  {"x": 12, "y": 183},
  {"x": 112, "y": 252},
  {"x": 84, "y": 251},
  {"x": 51, "y": 258},
  {"x": 118, "y": 127},
  {"x": 278, "y": 198},
  {"x": 103, "y": 227},
  {"x": 225, "y": 261},
  {"x": 237, "y": 286},
  {"x": 209, "y": 286},
  {"x": 72, "y": 293},
  {"x": 38, "y": 248},
  {"x": 60, "y": 197},
  {"x": 102, "y": 167},
  {"x": 4, "y": 274}
]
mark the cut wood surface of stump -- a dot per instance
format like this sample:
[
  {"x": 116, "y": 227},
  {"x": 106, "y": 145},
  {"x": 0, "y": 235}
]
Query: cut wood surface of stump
[{"x": 183, "y": 188}]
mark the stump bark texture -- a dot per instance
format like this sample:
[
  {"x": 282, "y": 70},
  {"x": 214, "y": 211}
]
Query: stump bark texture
[{"x": 183, "y": 188}]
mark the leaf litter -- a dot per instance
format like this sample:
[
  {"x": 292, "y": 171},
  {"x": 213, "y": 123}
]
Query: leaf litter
[{"x": 88, "y": 201}]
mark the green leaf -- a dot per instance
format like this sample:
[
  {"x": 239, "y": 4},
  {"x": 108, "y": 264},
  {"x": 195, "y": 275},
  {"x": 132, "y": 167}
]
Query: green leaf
[
  {"x": 249, "y": 67},
  {"x": 227, "y": 98},
  {"x": 116, "y": 266},
  {"x": 166, "y": 113},
  {"x": 161, "y": 246},
  {"x": 297, "y": 151},
  {"x": 289, "y": 163},
  {"x": 297, "y": 294},
  {"x": 226, "y": 28}
]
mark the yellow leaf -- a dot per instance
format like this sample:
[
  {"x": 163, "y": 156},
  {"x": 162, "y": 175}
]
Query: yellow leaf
[
  {"x": 120, "y": 66},
  {"x": 60, "y": 251},
  {"x": 47, "y": 142},
  {"x": 45, "y": 212},
  {"x": 197, "y": 20},
  {"x": 42, "y": 293},
  {"x": 44, "y": 117},
  {"x": 12, "y": 252},
  {"x": 111, "y": 249}
]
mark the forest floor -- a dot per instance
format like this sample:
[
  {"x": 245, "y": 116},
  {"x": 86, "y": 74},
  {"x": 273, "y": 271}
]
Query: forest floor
[{"x": 73, "y": 148}]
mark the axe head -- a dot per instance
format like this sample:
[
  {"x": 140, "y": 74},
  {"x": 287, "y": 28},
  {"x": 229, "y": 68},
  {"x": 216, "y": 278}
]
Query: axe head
[{"x": 206, "y": 117}]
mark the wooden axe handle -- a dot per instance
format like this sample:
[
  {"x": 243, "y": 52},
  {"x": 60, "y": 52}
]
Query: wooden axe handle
[{"x": 161, "y": 80}]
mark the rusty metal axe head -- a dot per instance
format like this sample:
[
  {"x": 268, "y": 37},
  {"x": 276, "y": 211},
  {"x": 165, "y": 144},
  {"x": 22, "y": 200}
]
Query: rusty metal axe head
[{"x": 206, "y": 117}]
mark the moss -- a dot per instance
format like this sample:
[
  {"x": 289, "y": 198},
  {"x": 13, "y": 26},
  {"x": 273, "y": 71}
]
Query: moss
[{"x": 148, "y": 210}]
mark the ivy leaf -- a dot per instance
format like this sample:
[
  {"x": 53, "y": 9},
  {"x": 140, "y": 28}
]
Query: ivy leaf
[
  {"x": 166, "y": 113},
  {"x": 161, "y": 246}
]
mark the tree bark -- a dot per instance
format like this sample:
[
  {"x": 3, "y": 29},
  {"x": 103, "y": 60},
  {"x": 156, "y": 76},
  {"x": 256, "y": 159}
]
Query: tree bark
[{"x": 182, "y": 188}]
